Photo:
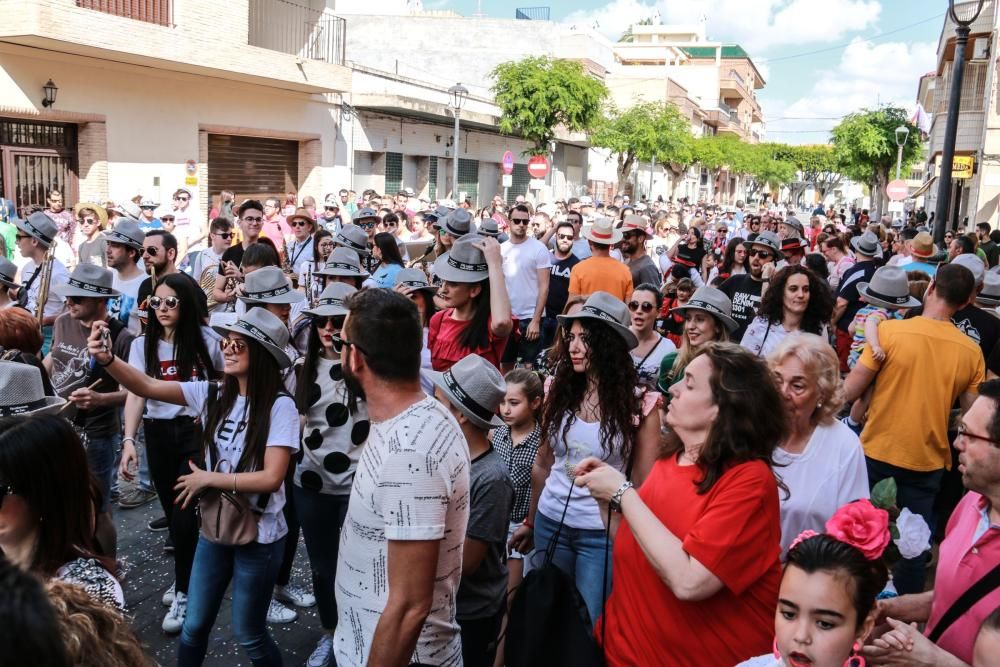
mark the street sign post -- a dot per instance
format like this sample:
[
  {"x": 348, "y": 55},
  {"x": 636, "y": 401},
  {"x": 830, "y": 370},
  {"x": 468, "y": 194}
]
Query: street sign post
[
  {"x": 508, "y": 180},
  {"x": 897, "y": 190},
  {"x": 538, "y": 166},
  {"x": 508, "y": 162}
]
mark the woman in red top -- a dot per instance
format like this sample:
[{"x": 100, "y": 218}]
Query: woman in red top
[
  {"x": 696, "y": 553},
  {"x": 476, "y": 317}
]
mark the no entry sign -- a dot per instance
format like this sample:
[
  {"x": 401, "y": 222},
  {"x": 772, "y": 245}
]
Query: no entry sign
[{"x": 538, "y": 166}]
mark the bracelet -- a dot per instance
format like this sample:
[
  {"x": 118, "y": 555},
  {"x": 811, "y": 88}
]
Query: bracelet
[
  {"x": 527, "y": 523},
  {"x": 234, "y": 482},
  {"x": 109, "y": 362},
  {"x": 132, "y": 440},
  {"x": 616, "y": 500}
]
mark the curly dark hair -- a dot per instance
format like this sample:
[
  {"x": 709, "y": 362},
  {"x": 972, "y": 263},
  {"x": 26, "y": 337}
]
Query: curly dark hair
[
  {"x": 610, "y": 363},
  {"x": 748, "y": 427},
  {"x": 772, "y": 306}
]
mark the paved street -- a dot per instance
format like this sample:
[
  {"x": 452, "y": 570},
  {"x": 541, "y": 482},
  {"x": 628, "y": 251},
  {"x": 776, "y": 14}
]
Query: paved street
[{"x": 150, "y": 572}]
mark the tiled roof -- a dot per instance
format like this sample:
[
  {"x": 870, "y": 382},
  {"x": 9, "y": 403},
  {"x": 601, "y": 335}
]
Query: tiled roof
[{"x": 728, "y": 51}]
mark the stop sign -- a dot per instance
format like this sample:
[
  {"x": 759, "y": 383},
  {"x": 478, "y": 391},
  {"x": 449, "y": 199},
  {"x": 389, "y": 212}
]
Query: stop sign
[
  {"x": 897, "y": 190},
  {"x": 538, "y": 166}
]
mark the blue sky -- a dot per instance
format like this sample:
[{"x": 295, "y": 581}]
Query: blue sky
[{"x": 891, "y": 44}]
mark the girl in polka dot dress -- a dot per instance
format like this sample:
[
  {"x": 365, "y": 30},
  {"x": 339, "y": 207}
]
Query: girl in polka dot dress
[{"x": 336, "y": 428}]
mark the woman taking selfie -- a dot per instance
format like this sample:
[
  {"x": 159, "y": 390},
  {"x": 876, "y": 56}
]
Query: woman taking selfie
[{"x": 251, "y": 429}]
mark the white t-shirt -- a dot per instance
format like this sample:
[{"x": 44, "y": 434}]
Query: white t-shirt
[
  {"x": 762, "y": 337},
  {"x": 230, "y": 438},
  {"x": 124, "y": 306},
  {"x": 300, "y": 252},
  {"x": 411, "y": 483},
  {"x": 54, "y": 302},
  {"x": 648, "y": 368},
  {"x": 829, "y": 473},
  {"x": 168, "y": 371},
  {"x": 521, "y": 262}
]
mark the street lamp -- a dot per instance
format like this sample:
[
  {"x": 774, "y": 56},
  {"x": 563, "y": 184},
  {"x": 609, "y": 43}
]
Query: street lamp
[
  {"x": 458, "y": 93},
  {"x": 50, "y": 89},
  {"x": 902, "y": 134},
  {"x": 962, "y": 14}
]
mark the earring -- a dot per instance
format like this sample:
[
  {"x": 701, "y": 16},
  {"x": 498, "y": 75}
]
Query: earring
[
  {"x": 856, "y": 659},
  {"x": 820, "y": 404}
]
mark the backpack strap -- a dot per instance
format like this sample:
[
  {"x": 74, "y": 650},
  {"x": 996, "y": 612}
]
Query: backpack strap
[{"x": 986, "y": 585}]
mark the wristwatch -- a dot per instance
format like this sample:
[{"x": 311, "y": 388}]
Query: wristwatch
[{"x": 616, "y": 500}]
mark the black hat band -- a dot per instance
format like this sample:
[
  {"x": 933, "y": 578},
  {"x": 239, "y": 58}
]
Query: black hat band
[
  {"x": 6, "y": 278},
  {"x": 256, "y": 332},
  {"x": 898, "y": 300},
  {"x": 704, "y": 305},
  {"x": 342, "y": 265},
  {"x": 414, "y": 283},
  {"x": 36, "y": 232},
  {"x": 466, "y": 266},
  {"x": 117, "y": 237},
  {"x": 348, "y": 243},
  {"x": 330, "y": 301},
  {"x": 462, "y": 397},
  {"x": 22, "y": 408},
  {"x": 601, "y": 314},
  {"x": 90, "y": 287},
  {"x": 267, "y": 294}
]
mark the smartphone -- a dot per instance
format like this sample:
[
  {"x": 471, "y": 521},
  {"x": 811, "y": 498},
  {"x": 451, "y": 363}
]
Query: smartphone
[{"x": 106, "y": 339}]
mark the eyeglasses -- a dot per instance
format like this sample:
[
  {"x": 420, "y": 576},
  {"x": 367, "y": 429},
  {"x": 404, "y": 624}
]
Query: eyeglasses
[
  {"x": 5, "y": 490},
  {"x": 167, "y": 218},
  {"x": 645, "y": 306},
  {"x": 519, "y": 221},
  {"x": 152, "y": 251},
  {"x": 348, "y": 343},
  {"x": 21, "y": 237},
  {"x": 392, "y": 224},
  {"x": 238, "y": 346},
  {"x": 300, "y": 223},
  {"x": 763, "y": 254},
  {"x": 337, "y": 321},
  {"x": 224, "y": 235},
  {"x": 564, "y": 237},
  {"x": 182, "y": 199},
  {"x": 171, "y": 302},
  {"x": 251, "y": 218},
  {"x": 963, "y": 433}
]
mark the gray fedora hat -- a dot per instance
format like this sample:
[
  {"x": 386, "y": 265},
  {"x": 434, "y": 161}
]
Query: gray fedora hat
[
  {"x": 269, "y": 285},
  {"x": 770, "y": 241},
  {"x": 353, "y": 237},
  {"x": 972, "y": 263},
  {"x": 794, "y": 223},
  {"x": 464, "y": 263},
  {"x": 38, "y": 226},
  {"x": 474, "y": 386},
  {"x": 129, "y": 210},
  {"x": 867, "y": 244},
  {"x": 714, "y": 302},
  {"x": 22, "y": 392},
  {"x": 331, "y": 300},
  {"x": 458, "y": 223},
  {"x": 365, "y": 214},
  {"x": 489, "y": 227},
  {"x": 8, "y": 270},
  {"x": 603, "y": 231},
  {"x": 605, "y": 308},
  {"x": 126, "y": 232},
  {"x": 414, "y": 279},
  {"x": 990, "y": 294},
  {"x": 263, "y": 327},
  {"x": 342, "y": 262},
  {"x": 439, "y": 213},
  {"x": 88, "y": 280},
  {"x": 889, "y": 288}
]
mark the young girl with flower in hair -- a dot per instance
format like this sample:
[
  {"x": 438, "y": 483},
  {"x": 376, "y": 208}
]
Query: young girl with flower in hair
[{"x": 826, "y": 604}]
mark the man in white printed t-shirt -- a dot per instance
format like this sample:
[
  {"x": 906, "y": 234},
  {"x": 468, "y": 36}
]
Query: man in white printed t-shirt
[
  {"x": 400, "y": 559},
  {"x": 526, "y": 263}
]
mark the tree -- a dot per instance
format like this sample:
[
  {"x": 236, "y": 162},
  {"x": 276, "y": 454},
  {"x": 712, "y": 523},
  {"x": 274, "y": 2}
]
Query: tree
[
  {"x": 642, "y": 132},
  {"x": 818, "y": 167},
  {"x": 766, "y": 164},
  {"x": 864, "y": 144},
  {"x": 538, "y": 94},
  {"x": 716, "y": 152}
]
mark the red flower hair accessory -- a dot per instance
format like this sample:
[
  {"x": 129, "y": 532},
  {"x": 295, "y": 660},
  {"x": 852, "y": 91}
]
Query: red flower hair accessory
[{"x": 863, "y": 526}]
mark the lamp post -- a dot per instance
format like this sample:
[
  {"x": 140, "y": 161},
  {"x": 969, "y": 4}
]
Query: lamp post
[
  {"x": 962, "y": 14},
  {"x": 902, "y": 134},
  {"x": 458, "y": 93}
]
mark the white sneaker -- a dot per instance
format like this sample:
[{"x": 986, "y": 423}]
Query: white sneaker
[
  {"x": 323, "y": 653},
  {"x": 168, "y": 595},
  {"x": 174, "y": 620},
  {"x": 279, "y": 613},
  {"x": 294, "y": 595}
]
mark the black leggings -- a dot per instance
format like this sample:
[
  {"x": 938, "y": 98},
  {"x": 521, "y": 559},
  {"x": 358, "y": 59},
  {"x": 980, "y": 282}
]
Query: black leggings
[
  {"x": 170, "y": 444},
  {"x": 292, "y": 539}
]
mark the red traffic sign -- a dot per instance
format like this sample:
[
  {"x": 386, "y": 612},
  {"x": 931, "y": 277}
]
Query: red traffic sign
[
  {"x": 538, "y": 166},
  {"x": 508, "y": 162},
  {"x": 897, "y": 190}
]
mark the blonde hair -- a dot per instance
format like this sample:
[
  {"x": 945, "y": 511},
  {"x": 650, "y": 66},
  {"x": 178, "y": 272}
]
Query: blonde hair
[
  {"x": 822, "y": 367},
  {"x": 689, "y": 351}
]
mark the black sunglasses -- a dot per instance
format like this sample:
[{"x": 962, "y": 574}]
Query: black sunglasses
[
  {"x": 151, "y": 251},
  {"x": 645, "y": 306},
  {"x": 336, "y": 320},
  {"x": 764, "y": 254},
  {"x": 366, "y": 225},
  {"x": 519, "y": 221},
  {"x": 224, "y": 235},
  {"x": 300, "y": 223}
]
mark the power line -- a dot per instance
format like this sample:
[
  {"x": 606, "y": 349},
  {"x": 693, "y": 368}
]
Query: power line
[{"x": 845, "y": 45}]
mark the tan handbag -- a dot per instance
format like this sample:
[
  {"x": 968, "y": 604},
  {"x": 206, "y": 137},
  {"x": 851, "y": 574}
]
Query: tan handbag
[{"x": 228, "y": 518}]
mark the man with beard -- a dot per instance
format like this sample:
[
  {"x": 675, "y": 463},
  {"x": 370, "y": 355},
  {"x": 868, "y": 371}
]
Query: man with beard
[
  {"x": 122, "y": 251},
  {"x": 563, "y": 261},
  {"x": 159, "y": 252},
  {"x": 744, "y": 290},
  {"x": 400, "y": 559},
  {"x": 633, "y": 246}
]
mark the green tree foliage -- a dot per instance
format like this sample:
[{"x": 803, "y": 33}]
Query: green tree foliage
[
  {"x": 627, "y": 36},
  {"x": 538, "y": 94},
  {"x": 642, "y": 132},
  {"x": 864, "y": 144},
  {"x": 766, "y": 164}
]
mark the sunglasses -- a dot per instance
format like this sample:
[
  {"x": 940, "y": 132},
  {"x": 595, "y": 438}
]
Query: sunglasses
[
  {"x": 300, "y": 223},
  {"x": 152, "y": 251},
  {"x": 21, "y": 237},
  {"x": 337, "y": 321},
  {"x": 250, "y": 218},
  {"x": 564, "y": 237},
  {"x": 171, "y": 302},
  {"x": 75, "y": 300},
  {"x": 238, "y": 346},
  {"x": 348, "y": 343},
  {"x": 646, "y": 307},
  {"x": 330, "y": 208},
  {"x": 519, "y": 221},
  {"x": 182, "y": 199},
  {"x": 366, "y": 225},
  {"x": 167, "y": 218},
  {"x": 224, "y": 235},
  {"x": 391, "y": 224},
  {"x": 87, "y": 221},
  {"x": 763, "y": 254}
]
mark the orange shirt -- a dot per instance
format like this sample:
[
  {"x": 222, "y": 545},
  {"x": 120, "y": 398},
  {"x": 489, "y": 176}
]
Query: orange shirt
[{"x": 601, "y": 274}]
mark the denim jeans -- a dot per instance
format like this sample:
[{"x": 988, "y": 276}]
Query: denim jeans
[
  {"x": 145, "y": 481},
  {"x": 322, "y": 516},
  {"x": 101, "y": 454},
  {"x": 916, "y": 491},
  {"x": 580, "y": 554},
  {"x": 253, "y": 568}
]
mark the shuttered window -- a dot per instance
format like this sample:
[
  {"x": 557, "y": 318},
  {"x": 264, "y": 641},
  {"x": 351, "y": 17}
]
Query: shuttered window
[
  {"x": 252, "y": 167},
  {"x": 519, "y": 182},
  {"x": 468, "y": 180},
  {"x": 432, "y": 179},
  {"x": 393, "y": 173}
]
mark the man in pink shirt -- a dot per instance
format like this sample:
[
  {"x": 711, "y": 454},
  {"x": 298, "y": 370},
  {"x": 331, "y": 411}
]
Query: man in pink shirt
[
  {"x": 970, "y": 550},
  {"x": 274, "y": 226}
]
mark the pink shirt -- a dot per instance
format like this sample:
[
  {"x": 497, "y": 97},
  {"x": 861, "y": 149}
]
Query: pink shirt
[
  {"x": 275, "y": 230},
  {"x": 962, "y": 561}
]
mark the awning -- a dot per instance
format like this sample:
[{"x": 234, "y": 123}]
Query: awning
[{"x": 923, "y": 188}]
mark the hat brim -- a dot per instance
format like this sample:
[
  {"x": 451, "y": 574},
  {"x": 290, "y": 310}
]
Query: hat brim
[
  {"x": 630, "y": 338},
  {"x": 9, "y": 283},
  {"x": 19, "y": 223},
  {"x": 727, "y": 321},
  {"x": 445, "y": 271},
  {"x": 327, "y": 310},
  {"x": 64, "y": 289},
  {"x": 616, "y": 237},
  {"x": 308, "y": 219},
  {"x": 856, "y": 241},
  {"x": 287, "y": 298},
  {"x": 53, "y": 404},
  {"x": 438, "y": 379},
  {"x": 104, "y": 237},
  {"x": 361, "y": 253},
  {"x": 341, "y": 273},
  {"x": 990, "y": 301},
  {"x": 875, "y": 301},
  {"x": 279, "y": 355}
]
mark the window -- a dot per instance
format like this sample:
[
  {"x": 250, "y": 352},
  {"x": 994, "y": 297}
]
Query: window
[
  {"x": 432, "y": 178},
  {"x": 519, "y": 182},
  {"x": 468, "y": 180},
  {"x": 393, "y": 173},
  {"x": 150, "y": 11}
]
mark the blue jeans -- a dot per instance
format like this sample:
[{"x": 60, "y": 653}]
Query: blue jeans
[
  {"x": 253, "y": 569},
  {"x": 916, "y": 491},
  {"x": 101, "y": 453},
  {"x": 145, "y": 481},
  {"x": 321, "y": 516},
  {"x": 580, "y": 554}
]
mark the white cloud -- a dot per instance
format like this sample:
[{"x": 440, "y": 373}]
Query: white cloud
[{"x": 866, "y": 76}]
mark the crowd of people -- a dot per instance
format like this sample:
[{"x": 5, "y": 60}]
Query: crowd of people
[{"x": 578, "y": 433}]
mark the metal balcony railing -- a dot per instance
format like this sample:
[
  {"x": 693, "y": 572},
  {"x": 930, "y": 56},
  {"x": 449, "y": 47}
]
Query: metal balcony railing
[
  {"x": 150, "y": 11},
  {"x": 308, "y": 33},
  {"x": 974, "y": 80}
]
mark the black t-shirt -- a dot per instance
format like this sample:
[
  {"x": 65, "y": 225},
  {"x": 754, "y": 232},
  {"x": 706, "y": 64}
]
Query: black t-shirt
[
  {"x": 861, "y": 272},
  {"x": 744, "y": 292},
  {"x": 234, "y": 254},
  {"x": 559, "y": 284},
  {"x": 145, "y": 288}
]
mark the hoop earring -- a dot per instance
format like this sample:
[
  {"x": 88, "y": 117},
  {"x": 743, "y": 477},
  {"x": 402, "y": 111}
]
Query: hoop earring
[{"x": 856, "y": 659}]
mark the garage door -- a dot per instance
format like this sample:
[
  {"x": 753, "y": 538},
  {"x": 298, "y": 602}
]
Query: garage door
[{"x": 252, "y": 167}]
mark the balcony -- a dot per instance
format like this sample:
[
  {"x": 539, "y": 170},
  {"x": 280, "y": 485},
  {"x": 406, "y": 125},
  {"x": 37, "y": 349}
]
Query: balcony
[
  {"x": 300, "y": 31},
  {"x": 974, "y": 79},
  {"x": 731, "y": 85}
]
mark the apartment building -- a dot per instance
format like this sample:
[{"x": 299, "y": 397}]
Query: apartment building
[{"x": 105, "y": 99}]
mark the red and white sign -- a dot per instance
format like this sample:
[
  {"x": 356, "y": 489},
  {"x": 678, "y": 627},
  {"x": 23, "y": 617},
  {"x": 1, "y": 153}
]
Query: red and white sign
[
  {"x": 508, "y": 162},
  {"x": 538, "y": 166},
  {"x": 897, "y": 190}
]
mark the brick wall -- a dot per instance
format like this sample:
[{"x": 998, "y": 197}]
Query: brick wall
[{"x": 92, "y": 142}]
